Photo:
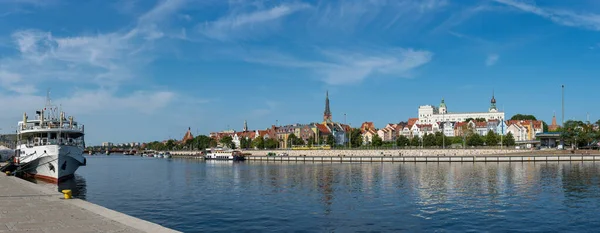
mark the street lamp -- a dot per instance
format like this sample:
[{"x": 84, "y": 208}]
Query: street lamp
[
  {"x": 345, "y": 124},
  {"x": 444, "y": 131}
]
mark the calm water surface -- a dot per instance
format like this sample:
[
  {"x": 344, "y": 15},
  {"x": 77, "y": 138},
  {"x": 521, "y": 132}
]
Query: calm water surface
[{"x": 197, "y": 196}]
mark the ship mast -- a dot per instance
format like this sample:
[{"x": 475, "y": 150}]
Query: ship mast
[{"x": 49, "y": 107}]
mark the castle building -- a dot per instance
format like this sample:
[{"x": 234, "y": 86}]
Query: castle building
[{"x": 429, "y": 114}]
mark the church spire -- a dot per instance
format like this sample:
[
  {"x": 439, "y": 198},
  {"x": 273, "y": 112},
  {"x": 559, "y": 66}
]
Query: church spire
[
  {"x": 493, "y": 103},
  {"x": 245, "y": 126},
  {"x": 327, "y": 113}
]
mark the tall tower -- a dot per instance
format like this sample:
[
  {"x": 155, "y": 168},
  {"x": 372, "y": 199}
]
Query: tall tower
[
  {"x": 443, "y": 109},
  {"x": 493, "y": 104},
  {"x": 327, "y": 113},
  {"x": 245, "y": 126}
]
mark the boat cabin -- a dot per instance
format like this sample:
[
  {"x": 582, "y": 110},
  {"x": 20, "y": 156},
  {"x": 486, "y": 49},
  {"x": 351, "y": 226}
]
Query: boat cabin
[{"x": 50, "y": 131}]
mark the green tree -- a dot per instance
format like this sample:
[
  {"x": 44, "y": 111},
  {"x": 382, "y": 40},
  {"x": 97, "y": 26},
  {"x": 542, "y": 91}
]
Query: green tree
[
  {"x": 402, "y": 141},
  {"x": 227, "y": 141},
  {"x": 356, "y": 138},
  {"x": 474, "y": 140},
  {"x": 271, "y": 143},
  {"x": 509, "y": 140},
  {"x": 457, "y": 140},
  {"x": 480, "y": 119},
  {"x": 258, "y": 143},
  {"x": 299, "y": 142},
  {"x": 429, "y": 140},
  {"x": 311, "y": 141},
  {"x": 441, "y": 139},
  {"x": 522, "y": 117},
  {"x": 292, "y": 140},
  {"x": 573, "y": 132},
  {"x": 469, "y": 119},
  {"x": 415, "y": 141},
  {"x": 330, "y": 140},
  {"x": 245, "y": 143},
  {"x": 376, "y": 140},
  {"x": 170, "y": 144},
  {"x": 491, "y": 139}
]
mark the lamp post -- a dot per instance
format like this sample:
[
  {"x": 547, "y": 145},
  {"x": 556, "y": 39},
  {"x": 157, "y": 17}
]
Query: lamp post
[
  {"x": 501, "y": 132},
  {"x": 444, "y": 130}
]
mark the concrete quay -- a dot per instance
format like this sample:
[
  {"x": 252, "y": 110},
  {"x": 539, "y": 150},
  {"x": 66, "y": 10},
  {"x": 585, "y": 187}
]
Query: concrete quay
[
  {"x": 27, "y": 207},
  {"x": 431, "y": 159},
  {"x": 389, "y": 152}
]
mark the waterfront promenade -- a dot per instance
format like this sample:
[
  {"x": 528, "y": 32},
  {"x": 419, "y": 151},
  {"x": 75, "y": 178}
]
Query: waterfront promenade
[
  {"x": 28, "y": 207},
  {"x": 391, "y": 152}
]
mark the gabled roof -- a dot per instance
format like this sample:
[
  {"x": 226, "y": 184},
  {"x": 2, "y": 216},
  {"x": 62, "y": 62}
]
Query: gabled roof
[
  {"x": 459, "y": 124},
  {"x": 481, "y": 124},
  {"x": 322, "y": 128},
  {"x": 367, "y": 125},
  {"x": 411, "y": 122}
]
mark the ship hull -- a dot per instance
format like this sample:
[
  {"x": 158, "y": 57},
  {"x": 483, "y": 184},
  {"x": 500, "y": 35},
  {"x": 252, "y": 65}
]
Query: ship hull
[{"x": 54, "y": 163}]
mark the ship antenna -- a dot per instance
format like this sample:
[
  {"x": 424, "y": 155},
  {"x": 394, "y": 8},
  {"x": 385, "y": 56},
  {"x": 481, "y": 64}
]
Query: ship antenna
[{"x": 50, "y": 107}]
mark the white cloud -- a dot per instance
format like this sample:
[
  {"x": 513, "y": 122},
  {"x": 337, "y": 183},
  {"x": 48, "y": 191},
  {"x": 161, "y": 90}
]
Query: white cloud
[
  {"x": 491, "y": 59},
  {"x": 100, "y": 63},
  {"x": 564, "y": 17},
  {"x": 236, "y": 23},
  {"x": 343, "y": 67}
]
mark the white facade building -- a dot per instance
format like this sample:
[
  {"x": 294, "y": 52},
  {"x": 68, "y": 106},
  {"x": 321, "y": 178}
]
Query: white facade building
[{"x": 429, "y": 114}]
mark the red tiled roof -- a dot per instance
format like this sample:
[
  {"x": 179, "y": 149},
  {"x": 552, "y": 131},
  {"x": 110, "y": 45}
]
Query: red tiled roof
[
  {"x": 459, "y": 124},
  {"x": 322, "y": 128},
  {"x": 536, "y": 124},
  {"x": 412, "y": 121},
  {"x": 481, "y": 124},
  {"x": 367, "y": 125}
]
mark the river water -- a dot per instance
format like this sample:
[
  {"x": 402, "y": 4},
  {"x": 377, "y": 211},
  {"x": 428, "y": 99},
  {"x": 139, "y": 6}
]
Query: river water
[{"x": 220, "y": 196}]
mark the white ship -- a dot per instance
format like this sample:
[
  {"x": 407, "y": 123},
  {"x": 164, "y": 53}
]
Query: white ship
[
  {"x": 51, "y": 146},
  {"x": 223, "y": 154}
]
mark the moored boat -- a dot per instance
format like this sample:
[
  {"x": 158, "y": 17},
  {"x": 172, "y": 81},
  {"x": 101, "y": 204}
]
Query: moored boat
[
  {"x": 51, "y": 146},
  {"x": 224, "y": 154}
]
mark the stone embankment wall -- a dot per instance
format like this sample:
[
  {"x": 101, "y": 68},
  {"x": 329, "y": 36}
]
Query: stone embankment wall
[{"x": 397, "y": 152}]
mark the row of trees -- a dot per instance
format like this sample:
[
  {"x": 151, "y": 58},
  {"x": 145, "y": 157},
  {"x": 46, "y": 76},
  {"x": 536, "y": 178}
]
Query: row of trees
[
  {"x": 439, "y": 140},
  {"x": 580, "y": 134}
]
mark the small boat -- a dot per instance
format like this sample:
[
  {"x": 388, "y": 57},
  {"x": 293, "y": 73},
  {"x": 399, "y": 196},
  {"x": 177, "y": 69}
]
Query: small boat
[
  {"x": 168, "y": 155},
  {"x": 222, "y": 154},
  {"x": 107, "y": 152},
  {"x": 160, "y": 155}
]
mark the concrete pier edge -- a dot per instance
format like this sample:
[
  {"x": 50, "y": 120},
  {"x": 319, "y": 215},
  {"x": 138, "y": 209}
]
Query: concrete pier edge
[{"x": 116, "y": 216}]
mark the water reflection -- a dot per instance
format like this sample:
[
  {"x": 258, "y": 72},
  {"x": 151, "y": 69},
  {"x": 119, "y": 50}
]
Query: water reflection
[{"x": 194, "y": 195}]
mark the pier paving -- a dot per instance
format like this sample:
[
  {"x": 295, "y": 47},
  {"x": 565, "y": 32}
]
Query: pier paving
[{"x": 27, "y": 207}]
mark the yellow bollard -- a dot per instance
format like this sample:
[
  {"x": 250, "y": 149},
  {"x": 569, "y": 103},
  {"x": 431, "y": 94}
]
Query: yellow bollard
[{"x": 67, "y": 193}]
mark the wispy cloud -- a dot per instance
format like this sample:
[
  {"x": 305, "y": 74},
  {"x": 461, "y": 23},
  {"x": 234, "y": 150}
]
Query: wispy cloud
[
  {"x": 104, "y": 61},
  {"x": 337, "y": 67},
  {"x": 560, "y": 16},
  {"x": 491, "y": 59},
  {"x": 236, "y": 23}
]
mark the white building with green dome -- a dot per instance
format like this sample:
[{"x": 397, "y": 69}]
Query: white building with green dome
[{"x": 429, "y": 114}]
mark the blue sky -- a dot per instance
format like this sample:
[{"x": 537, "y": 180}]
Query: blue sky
[{"x": 134, "y": 70}]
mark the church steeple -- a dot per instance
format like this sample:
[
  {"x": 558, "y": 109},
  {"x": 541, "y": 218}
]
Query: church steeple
[
  {"x": 493, "y": 103},
  {"x": 327, "y": 113},
  {"x": 245, "y": 126}
]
